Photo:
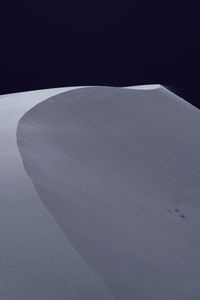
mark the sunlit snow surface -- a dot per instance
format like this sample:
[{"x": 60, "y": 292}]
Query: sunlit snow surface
[{"x": 145, "y": 87}]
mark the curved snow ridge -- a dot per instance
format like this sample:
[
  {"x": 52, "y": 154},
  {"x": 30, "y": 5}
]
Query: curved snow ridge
[
  {"x": 145, "y": 87},
  {"x": 45, "y": 93},
  {"x": 37, "y": 260},
  {"x": 119, "y": 170}
]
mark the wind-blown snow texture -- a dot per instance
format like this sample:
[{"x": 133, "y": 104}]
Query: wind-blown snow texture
[{"x": 119, "y": 170}]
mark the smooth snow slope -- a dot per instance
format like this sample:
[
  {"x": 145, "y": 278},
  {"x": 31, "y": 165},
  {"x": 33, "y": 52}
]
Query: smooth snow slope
[
  {"x": 119, "y": 170},
  {"x": 37, "y": 261}
]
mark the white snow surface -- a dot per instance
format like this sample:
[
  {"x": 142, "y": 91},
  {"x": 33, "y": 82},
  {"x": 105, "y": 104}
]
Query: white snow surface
[
  {"x": 37, "y": 261},
  {"x": 145, "y": 87},
  {"x": 106, "y": 202}
]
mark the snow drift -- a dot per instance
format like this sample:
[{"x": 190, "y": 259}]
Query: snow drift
[{"x": 119, "y": 169}]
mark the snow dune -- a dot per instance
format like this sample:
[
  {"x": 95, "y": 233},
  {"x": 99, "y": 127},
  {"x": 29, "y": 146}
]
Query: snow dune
[
  {"x": 37, "y": 261},
  {"x": 119, "y": 169}
]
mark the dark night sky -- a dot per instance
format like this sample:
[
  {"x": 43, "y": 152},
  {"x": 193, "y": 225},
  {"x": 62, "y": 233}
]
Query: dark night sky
[{"x": 62, "y": 43}]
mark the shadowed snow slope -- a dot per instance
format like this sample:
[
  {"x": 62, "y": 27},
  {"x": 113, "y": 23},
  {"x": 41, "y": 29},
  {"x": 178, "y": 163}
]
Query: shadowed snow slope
[{"x": 119, "y": 170}]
